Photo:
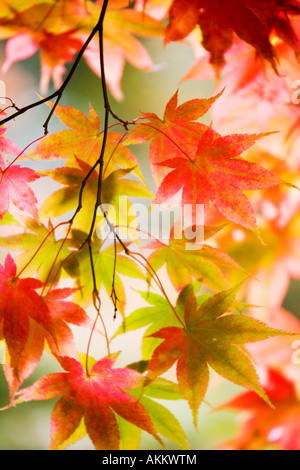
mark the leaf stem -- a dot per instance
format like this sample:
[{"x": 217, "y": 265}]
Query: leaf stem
[
  {"x": 157, "y": 280},
  {"x": 39, "y": 248},
  {"x": 166, "y": 135}
]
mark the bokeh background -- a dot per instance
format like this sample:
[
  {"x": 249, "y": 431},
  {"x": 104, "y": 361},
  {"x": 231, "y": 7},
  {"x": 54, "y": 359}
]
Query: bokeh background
[{"x": 27, "y": 426}]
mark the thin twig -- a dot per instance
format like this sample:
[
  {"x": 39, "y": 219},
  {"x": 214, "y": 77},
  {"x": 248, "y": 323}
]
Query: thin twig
[
  {"x": 113, "y": 294},
  {"x": 58, "y": 93}
]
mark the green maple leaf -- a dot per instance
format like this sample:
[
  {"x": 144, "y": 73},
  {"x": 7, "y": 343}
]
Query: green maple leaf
[
  {"x": 41, "y": 240},
  {"x": 209, "y": 336},
  {"x": 156, "y": 316},
  {"x": 206, "y": 263},
  {"x": 66, "y": 199}
]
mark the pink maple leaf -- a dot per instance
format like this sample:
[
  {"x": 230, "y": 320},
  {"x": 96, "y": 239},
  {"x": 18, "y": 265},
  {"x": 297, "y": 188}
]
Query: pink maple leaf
[{"x": 14, "y": 188}]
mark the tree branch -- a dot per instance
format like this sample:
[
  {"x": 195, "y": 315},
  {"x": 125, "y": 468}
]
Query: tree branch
[{"x": 58, "y": 93}]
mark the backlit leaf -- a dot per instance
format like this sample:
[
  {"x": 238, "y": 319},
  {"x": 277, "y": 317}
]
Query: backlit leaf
[
  {"x": 98, "y": 396},
  {"x": 210, "y": 337}
]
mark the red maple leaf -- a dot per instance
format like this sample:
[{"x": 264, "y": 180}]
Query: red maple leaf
[
  {"x": 265, "y": 426},
  {"x": 20, "y": 304},
  {"x": 174, "y": 133},
  {"x": 253, "y": 21},
  {"x": 63, "y": 312},
  {"x": 27, "y": 319},
  {"x": 6, "y": 145},
  {"x": 95, "y": 397},
  {"x": 216, "y": 173},
  {"x": 14, "y": 188}
]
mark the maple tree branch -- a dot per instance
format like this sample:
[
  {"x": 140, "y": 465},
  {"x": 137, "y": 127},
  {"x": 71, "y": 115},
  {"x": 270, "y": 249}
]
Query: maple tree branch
[
  {"x": 58, "y": 93},
  {"x": 12, "y": 105},
  {"x": 113, "y": 294},
  {"x": 95, "y": 290},
  {"x": 83, "y": 183},
  {"x": 100, "y": 160},
  {"x": 113, "y": 230},
  {"x": 102, "y": 68}
]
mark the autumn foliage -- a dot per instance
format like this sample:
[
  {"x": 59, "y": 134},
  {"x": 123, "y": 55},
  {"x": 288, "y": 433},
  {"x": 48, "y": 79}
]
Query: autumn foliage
[{"x": 213, "y": 289}]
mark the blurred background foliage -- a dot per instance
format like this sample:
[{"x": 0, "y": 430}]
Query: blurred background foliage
[{"x": 27, "y": 426}]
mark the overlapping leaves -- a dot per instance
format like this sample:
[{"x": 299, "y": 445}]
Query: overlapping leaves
[
  {"x": 204, "y": 262},
  {"x": 252, "y": 21},
  {"x": 58, "y": 29},
  {"x": 205, "y": 166},
  {"x": 28, "y": 318},
  {"x": 209, "y": 335},
  {"x": 95, "y": 397},
  {"x": 113, "y": 405}
]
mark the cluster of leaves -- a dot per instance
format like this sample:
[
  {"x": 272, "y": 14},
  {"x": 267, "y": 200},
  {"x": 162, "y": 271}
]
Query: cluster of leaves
[{"x": 71, "y": 252}]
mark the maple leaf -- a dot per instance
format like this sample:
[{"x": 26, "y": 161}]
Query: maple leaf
[
  {"x": 221, "y": 20},
  {"x": 266, "y": 427},
  {"x": 96, "y": 397},
  {"x": 204, "y": 264},
  {"x": 56, "y": 50},
  {"x": 60, "y": 29},
  {"x": 47, "y": 248},
  {"x": 50, "y": 27},
  {"x": 163, "y": 420},
  {"x": 255, "y": 96},
  {"x": 20, "y": 304},
  {"x": 156, "y": 8},
  {"x": 121, "y": 26},
  {"x": 84, "y": 139},
  {"x": 14, "y": 188},
  {"x": 209, "y": 336},
  {"x": 6, "y": 145},
  {"x": 175, "y": 133},
  {"x": 277, "y": 266},
  {"x": 155, "y": 317},
  {"x": 28, "y": 319},
  {"x": 114, "y": 188},
  {"x": 214, "y": 172},
  {"x": 28, "y": 358},
  {"x": 63, "y": 312}
]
